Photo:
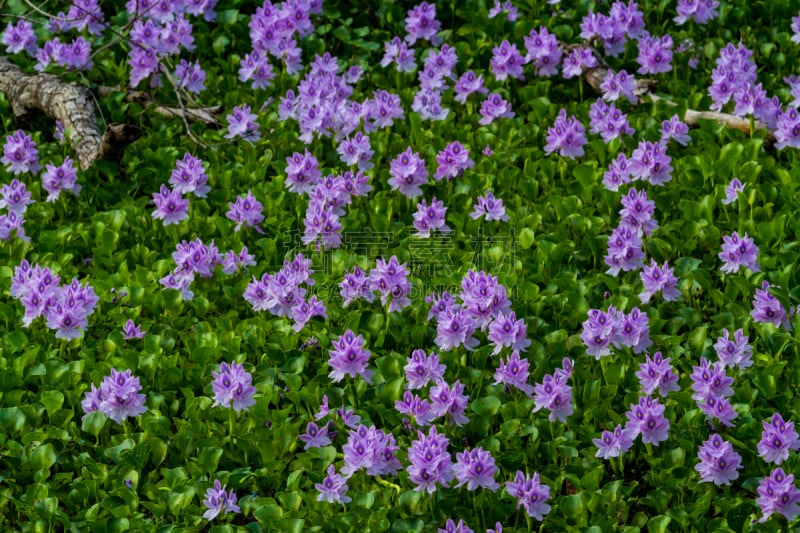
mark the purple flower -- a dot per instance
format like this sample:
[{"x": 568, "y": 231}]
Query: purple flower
[
  {"x": 738, "y": 251},
  {"x": 543, "y": 49},
  {"x": 304, "y": 311},
  {"x": 554, "y": 395},
  {"x": 355, "y": 285},
  {"x": 132, "y": 331},
  {"x": 468, "y": 84},
  {"x": 189, "y": 176},
  {"x": 512, "y": 13},
  {"x": 398, "y": 52},
  {"x": 118, "y": 397},
  {"x": 429, "y": 218},
  {"x": 777, "y": 439},
  {"x": 440, "y": 304},
  {"x": 19, "y": 37},
  {"x": 568, "y": 136},
  {"x": 507, "y": 61},
  {"x": 767, "y": 308},
  {"x": 718, "y": 462},
  {"x": 494, "y": 107},
  {"x": 454, "y": 329},
  {"x": 778, "y": 494},
  {"x": 421, "y": 23},
  {"x": 356, "y": 150},
  {"x": 734, "y": 352},
  {"x": 333, "y": 488},
  {"x": 20, "y": 154},
  {"x": 349, "y": 357},
  {"x": 647, "y": 419},
  {"x": 618, "y": 173},
  {"x": 218, "y": 500},
  {"x": 708, "y": 380},
  {"x": 233, "y": 262},
  {"x": 241, "y": 123},
  {"x": 246, "y": 211},
  {"x": 650, "y": 162},
  {"x": 302, "y": 173},
  {"x": 452, "y": 527},
  {"x": 190, "y": 76},
  {"x": 452, "y": 161},
  {"x": 655, "y": 54},
  {"x": 408, "y": 174},
  {"x": 530, "y": 493},
  {"x": 608, "y": 121},
  {"x": 578, "y": 60},
  {"x": 416, "y": 407},
  {"x": 624, "y": 250},
  {"x": 657, "y": 374},
  {"x": 637, "y": 212},
  {"x": 490, "y": 207},
  {"x": 447, "y": 400},
  {"x": 429, "y": 462},
  {"x": 171, "y": 207},
  {"x": 613, "y": 444},
  {"x": 315, "y": 436},
  {"x": 15, "y": 197},
  {"x": 391, "y": 280},
  {"x": 514, "y": 372},
  {"x": 731, "y": 191},
  {"x": 700, "y": 10},
  {"x": 659, "y": 279},
  {"x": 422, "y": 368},
  {"x": 676, "y": 129},
  {"x": 506, "y": 330},
  {"x": 618, "y": 84},
  {"x": 232, "y": 386},
  {"x": 60, "y": 178},
  {"x": 475, "y": 468},
  {"x": 256, "y": 68},
  {"x": 598, "y": 330}
]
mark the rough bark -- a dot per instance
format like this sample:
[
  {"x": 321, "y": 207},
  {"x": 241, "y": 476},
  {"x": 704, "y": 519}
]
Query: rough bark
[{"x": 70, "y": 103}]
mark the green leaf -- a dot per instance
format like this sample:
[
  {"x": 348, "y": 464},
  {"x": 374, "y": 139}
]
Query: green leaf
[
  {"x": 93, "y": 423},
  {"x": 658, "y": 524},
  {"x": 526, "y": 238},
  {"x": 43, "y": 457},
  {"x": 11, "y": 420}
]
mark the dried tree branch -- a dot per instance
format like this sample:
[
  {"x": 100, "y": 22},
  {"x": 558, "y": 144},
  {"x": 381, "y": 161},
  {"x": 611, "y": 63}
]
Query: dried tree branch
[
  {"x": 70, "y": 103},
  {"x": 207, "y": 115},
  {"x": 645, "y": 90}
]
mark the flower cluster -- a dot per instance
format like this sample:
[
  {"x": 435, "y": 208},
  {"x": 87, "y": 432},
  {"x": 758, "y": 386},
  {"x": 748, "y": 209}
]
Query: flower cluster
[
  {"x": 613, "y": 30},
  {"x": 421, "y": 24},
  {"x": 408, "y": 173},
  {"x": 494, "y": 107},
  {"x": 191, "y": 258},
  {"x": 618, "y": 173},
  {"x": 349, "y": 357},
  {"x": 66, "y": 308},
  {"x": 452, "y": 161},
  {"x": 489, "y": 207},
  {"x": 656, "y": 374},
  {"x": 189, "y": 176},
  {"x": 777, "y": 439},
  {"x": 647, "y": 419},
  {"x": 578, "y": 60},
  {"x": 507, "y": 61},
  {"x": 655, "y": 54},
  {"x": 767, "y": 308},
  {"x": 608, "y": 121},
  {"x": 283, "y": 294},
  {"x": 246, "y": 211},
  {"x": 18, "y": 37},
  {"x": 449, "y": 400},
  {"x": 530, "y": 493},
  {"x": 14, "y": 197},
  {"x": 737, "y": 252},
  {"x": 778, "y": 494},
  {"x": 567, "y": 136},
  {"x": 429, "y": 461},
  {"x": 659, "y": 279},
  {"x": 712, "y": 388},
  {"x": 734, "y": 352},
  {"x": 388, "y": 279},
  {"x": 543, "y": 49},
  {"x": 60, "y": 178},
  {"x": 218, "y": 500},
  {"x": 554, "y": 394},
  {"x": 619, "y": 84},
  {"x": 613, "y": 443},
  {"x": 701, "y": 11},
  {"x": 601, "y": 330},
  {"x": 513, "y": 372},
  {"x": 333, "y": 488},
  {"x": 398, "y": 52},
  {"x": 467, "y": 84},
  {"x": 718, "y": 462},
  {"x": 232, "y": 386},
  {"x": 475, "y": 468},
  {"x": 118, "y": 397},
  {"x": 355, "y": 150},
  {"x": 371, "y": 450},
  {"x": 20, "y": 154},
  {"x": 429, "y": 218},
  {"x": 650, "y": 162}
]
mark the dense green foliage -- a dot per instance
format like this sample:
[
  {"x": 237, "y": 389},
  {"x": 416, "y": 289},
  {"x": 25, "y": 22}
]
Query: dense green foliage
[{"x": 60, "y": 471}]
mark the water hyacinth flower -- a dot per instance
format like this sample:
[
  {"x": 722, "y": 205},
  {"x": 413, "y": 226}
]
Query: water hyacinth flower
[
  {"x": 132, "y": 331},
  {"x": 767, "y": 308},
  {"x": 647, "y": 419},
  {"x": 333, "y": 488},
  {"x": 190, "y": 76},
  {"x": 430, "y": 464},
  {"x": 778, "y": 494},
  {"x": 701, "y": 11},
  {"x": 60, "y": 178},
  {"x": 315, "y": 436},
  {"x": 171, "y": 207},
  {"x": 637, "y": 212},
  {"x": 576, "y": 61},
  {"x": 737, "y": 252},
  {"x": 20, "y": 154},
  {"x": 15, "y": 197},
  {"x": 349, "y": 357},
  {"x": 421, "y": 369},
  {"x": 232, "y": 386},
  {"x": 554, "y": 394},
  {"x": 530, "y": 493},
  {"x": 618, "y": 173},
  {"x": 246, "y": 212},
  {"x": 118, "y": 397},
  {"x": 475, "y": 468},
  {"x": 659, "y": 279},
  {"x": 302, "y": 173},
  {"x": 421, "y": 24},
  {"x": 241, "y": 123},
  {"x": 455, "y": 328},
  {"x": 467, "y": 84},
  {"x": 356, "y": 285},
  {"x": 567, "y": 136},
  {"x": 613, "y": 444},
  {"x": 676, "y": 129},
  {"x": 732, "y": 190},
  {"x": 544, "y": 51},
  {"x": 452, "y": 161},
  {"x": 734, "y": 352},
  {"x": 512, "y": 13},
  {"x": 513, "y": 372},
  {"x": 390, "y": 280},
  {"x": 718, "y": 462},
  {"x": 608, "y": 121},
  {"x": 624, "y": 250},
  {"x": 18, "y": 37},
  {"x": 777, "y": 439},
  {"x": 449, "y": 400},
  {"x": 655, "y": 54},
  {"x": 507, "y": 61},
  {"x": 417, "y": 408},
  {"x": 489, "y": 207},
  {"x": 218, "y": 500},
  {"x": 598, "y": 330},
  {"x": 619, "y": 84},
  {"x": 494, "y": 107},
  {"x": 189, "y": 176},
  {"x": 452, "y": 527},
  {"x": 506, "y": 330},
  {"x": 233, "y": 262},
  {"x": 429, "y": 218},
  {"x": 656, "y": 374},
  {"x": 398, "y": 52},
  {"x": 650, "y": 162},
  {"x": 408, "y": 173}
]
